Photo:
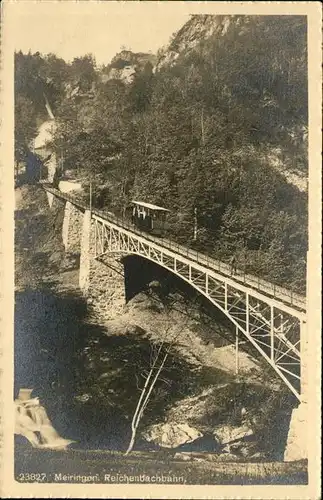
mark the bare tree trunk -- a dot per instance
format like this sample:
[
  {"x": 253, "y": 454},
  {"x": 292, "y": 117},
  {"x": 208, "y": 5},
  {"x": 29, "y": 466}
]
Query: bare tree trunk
[
  {"x": 142, "y": 405},
  {"x": 151, "y": 388},
  {"x": 148, "y": 388},
  {"x": 134, "y": 424}
]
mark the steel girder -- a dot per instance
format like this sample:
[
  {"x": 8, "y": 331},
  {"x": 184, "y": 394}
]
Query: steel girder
[{"x": 271, "y": 326}]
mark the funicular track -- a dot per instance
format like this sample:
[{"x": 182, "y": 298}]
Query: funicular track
[{"x": 268, "y": 316}]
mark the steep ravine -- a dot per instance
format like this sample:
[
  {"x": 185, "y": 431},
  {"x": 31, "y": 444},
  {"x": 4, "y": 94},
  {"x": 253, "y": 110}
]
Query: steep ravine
[{"x": 88, "y": 372}]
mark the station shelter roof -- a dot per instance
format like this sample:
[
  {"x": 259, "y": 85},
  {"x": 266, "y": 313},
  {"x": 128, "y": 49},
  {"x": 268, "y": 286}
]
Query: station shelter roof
[{"x": 150, "y": 206}]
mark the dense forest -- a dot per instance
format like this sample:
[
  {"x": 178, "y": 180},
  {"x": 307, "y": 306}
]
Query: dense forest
[{"x": 213, "y": 126}]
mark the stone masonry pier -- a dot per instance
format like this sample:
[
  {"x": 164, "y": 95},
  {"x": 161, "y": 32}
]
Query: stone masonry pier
[
  {"x": 101, "y": 281},
  {"x": 72, "y": 228}
]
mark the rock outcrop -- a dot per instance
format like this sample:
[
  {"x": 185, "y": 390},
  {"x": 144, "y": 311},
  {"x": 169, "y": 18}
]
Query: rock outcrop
[
  {"x": 125, "y": 64},
  {"x": 171, "y": 435},
  {"x": 227, "y": 433},
  {"x": 199, "y": 27}
]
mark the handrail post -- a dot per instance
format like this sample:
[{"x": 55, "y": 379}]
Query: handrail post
[{"x": 272, "y": 332}]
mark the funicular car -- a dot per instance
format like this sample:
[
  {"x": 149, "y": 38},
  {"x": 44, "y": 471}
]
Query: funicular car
[{"x": 149, "y": 217}]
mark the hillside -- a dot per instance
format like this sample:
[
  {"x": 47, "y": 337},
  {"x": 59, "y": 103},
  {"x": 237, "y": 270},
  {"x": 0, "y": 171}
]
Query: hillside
[
  {"x": 216, "y": 124},
  {"x": 225, "y": 40}
]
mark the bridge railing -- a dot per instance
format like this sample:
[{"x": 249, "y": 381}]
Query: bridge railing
[
  {"x": 263, "y": 286},
  {"x": 288, "y": 296}
]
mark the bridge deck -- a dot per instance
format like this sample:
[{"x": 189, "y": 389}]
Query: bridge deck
[{"x": 271, "y": 290}]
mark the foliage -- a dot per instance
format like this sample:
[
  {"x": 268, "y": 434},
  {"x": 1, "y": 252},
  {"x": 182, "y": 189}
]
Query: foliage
[
  {"x": 205, "y": 132},
  {"x": 41, "y": 80},
  {"x": 81, "y": 72},
  {"x": 25, "y": 126}
]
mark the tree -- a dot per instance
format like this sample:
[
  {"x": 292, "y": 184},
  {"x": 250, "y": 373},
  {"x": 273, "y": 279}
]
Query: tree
[
  {"x": 25, "y": 126},
  {"x": 82, "y": 72},
  {"x": 29, "y": 81},
  {"x": 141, "y": 88},
  {"x": 158, "y": 360},
  {"x": 160, "y": 352}
]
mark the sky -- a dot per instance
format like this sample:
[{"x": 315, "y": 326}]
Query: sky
[{"x": 70, "y": 29}]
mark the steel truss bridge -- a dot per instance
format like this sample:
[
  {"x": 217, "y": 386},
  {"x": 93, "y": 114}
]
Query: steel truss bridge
[{"x": 268, "y": 316}]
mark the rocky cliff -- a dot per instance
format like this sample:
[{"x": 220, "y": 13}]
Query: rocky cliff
[
  {"x": 125, "y": 64},
  {"x": 199, "y": 27}
]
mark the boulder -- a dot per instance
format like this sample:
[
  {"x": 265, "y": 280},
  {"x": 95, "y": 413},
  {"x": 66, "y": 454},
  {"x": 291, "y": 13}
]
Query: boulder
[
  {"x": 154, "y": 284},
  {"x": 171, "y": 435},
  {"x": 259, "y": 456},
  {"x": 241, "y": 448},
  {"x": 183, "y": 457},
  {"x": 227, "y": 457},
  {"x": 225, "y": 434},
  {"x": 247, "y": 450}
]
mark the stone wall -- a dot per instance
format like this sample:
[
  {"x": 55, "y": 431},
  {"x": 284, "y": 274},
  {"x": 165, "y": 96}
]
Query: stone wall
[
  {"x": 297, "y": 441},
  {"x": 85, "y": 253},
  {"x": 106, "y": 292},
  {"x": 72, "y": 228},
  {"x": 50, "y": 198},
  {"x": 101, "y": 281}
]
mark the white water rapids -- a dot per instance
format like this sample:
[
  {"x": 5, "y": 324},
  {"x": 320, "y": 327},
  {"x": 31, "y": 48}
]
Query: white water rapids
[{"x": 32, "y": 422}]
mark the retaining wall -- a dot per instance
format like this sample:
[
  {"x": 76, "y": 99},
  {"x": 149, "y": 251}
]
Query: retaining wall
[
  {"x": 50, "y": 198},
  {"x": 297, "y": 441},
  {"x": 72, "y": 228}
]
